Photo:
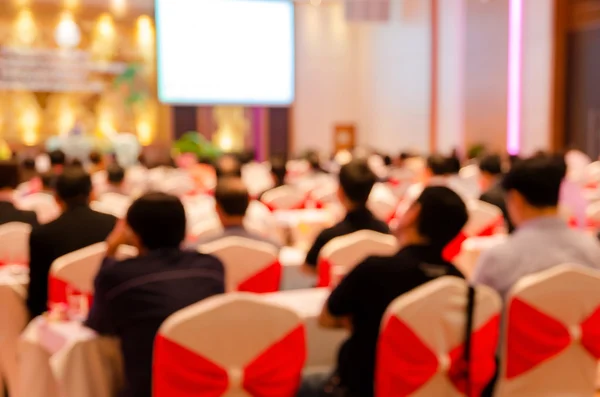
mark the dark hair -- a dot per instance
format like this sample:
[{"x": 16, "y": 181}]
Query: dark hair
[
  {"x": 76, "y": 163},
  {"x": 453, "y": 165},
  {"x": 357, "y": 180},
  {"x": 28, "y": 164},
  {"x": 232, "y": 196},
  {"x": 73, "y": 186},
  {"x": 9, "y": 175},
  {"x": 57, "y": 157},
  {"x": 228, "y": 166},
  {"x": 387, "y": 160},
  {"x": 48, "y": 180},
  {"x": 491, "y": 164},
  {"x": 95, "y": 158},
  {"x": 115, "y": 174},
  {"x": 278, "y": 170},
  {"x": 158, "y": 219},
  {"x": 438, "y": 164},
  {"x": 537, "y": 179},
  {"x": 443, "y": 215},
  {"x": 405, "y": 156},
  {"x": 246, "y": 156}
]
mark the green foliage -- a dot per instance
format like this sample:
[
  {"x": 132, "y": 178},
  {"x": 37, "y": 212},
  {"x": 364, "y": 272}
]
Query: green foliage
[
  {"x": 475, "y": 151},
  {"x": 194, "y": 142}
]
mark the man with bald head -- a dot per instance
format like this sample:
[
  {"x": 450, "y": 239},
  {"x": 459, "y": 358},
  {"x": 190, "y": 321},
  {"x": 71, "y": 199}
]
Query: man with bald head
[{"x": 232, "y": 201}]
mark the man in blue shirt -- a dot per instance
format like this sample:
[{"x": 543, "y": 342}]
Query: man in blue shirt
[{"x": 133, "y": 297}]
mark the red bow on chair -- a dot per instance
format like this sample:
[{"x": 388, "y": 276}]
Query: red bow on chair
[
  {"x": 324, "y": 272},
  {"x": 453, "y": 249},
  {"x": 534, "y": 337},
  {"x": 57, "y": 292},
  {"x": 267, "y": 280},
  {"x": 405, "y": 363},
  {"x": 179, "y": 372}
]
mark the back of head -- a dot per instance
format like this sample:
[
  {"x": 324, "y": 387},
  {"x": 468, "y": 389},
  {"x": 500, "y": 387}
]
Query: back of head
[
  {"x": 232, "y": 196},
  {"x": 537, "y": 179},
  {"x": 228, "y": 166},
  {"x": 9, "y": 175},
  {"x": 491, "y": 164},
  {"x": 73, "y": 186},
  {"x": 28, "y": 164},
  {"x": 57, "y": 157},
  {"x": 357, "y": 180},
  {"x": 48, "y": 180},
  {"x": 115, "y": 174},
  {"x": 437, "y": 165},
  {"x": 442, "y": 216},
  {"x": 95, "y": 158},
  {"x": 278, "y": 170},
  {"x": 453, "y": 165},
  {"x": 158, "y": 220}
]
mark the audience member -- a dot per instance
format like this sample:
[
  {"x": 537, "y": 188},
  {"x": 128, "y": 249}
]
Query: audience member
[
  {"x": 9, "y": 179},
  {"x": 77, "y": 227},
  {"x": 362, "y": 297},
  {"x": 115, "y": 179},
  {"x": 356, "y": 181},
  {"x": 134, "y": 296},
  {"x": 315, "y": 163},
  {"x": 542, "y": 239},
  {"x": 228, "y": 166},
  {"x": 490, "y": 181},
  {"x": 232, "y": 201},
  {"x": 58, "y": 160},
  {"x": 28, "y": 171},
  {"x": 278, "y": 172},
  {"x": 96, "y": 162}
]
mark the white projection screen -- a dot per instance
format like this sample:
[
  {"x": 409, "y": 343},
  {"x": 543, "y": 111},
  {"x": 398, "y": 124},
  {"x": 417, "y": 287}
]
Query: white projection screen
[{"x": 238, "y": 52}]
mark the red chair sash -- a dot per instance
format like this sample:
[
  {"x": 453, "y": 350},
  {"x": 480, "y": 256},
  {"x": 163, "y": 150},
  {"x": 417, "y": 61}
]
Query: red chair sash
[
  {"x": 179, "y": 372},
  {"x": 453, "y": 249},
  {"x": 9, "y": 262},
  {"x": 534, "y": 337},
  {"x": 405, "y": 363},
  {"x": 267, "y": 280},
  {"x": 299, "y": 206},
  {"x": 57, "y": 292},
  {"x": 324, "y": 273}
]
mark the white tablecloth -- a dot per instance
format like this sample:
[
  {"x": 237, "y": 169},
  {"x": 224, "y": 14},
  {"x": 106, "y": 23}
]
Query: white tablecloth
[
  {"x": 65, "y": 359},
  {"x": 13, "y": 319}
]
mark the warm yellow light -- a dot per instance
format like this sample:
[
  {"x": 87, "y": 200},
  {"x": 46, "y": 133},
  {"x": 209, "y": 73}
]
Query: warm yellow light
[
  {"x": 71, "y": 4},
  {"x": 106, "y": 26},
  {"x": 66, "y": 120},
  {"x": 144, "y": 34},
  {"x": 29, "y": 123},
  {"x": 144, "y": 131},
  {"x": 25, "y": 29},
  {"x": 22, "y": 3},
  {"x": 226, "y": 141},
  {"x": 67, "y": 34},
  {"x": 118, "y": 7}
]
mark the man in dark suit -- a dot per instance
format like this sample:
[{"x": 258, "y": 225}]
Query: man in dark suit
[
  {"x": 77, "y": 227},
  {"x": 490, "y": 168},
  {"x": 9, "y": 179},
  {"x": 133, "y": 297}
]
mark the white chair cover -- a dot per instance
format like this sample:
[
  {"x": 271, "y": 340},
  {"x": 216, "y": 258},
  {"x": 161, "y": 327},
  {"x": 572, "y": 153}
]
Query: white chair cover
[
  {"x": 113, "y": 203},
  {"x": 551, "y": 345},
  {"x": 43, "y": 204},
  {"x": 339, "y": 256},
  {"x": 14, "y": 243},
  {"x": 284, "y": 198},
  {"x": 233, "y": 345},
  {"x": 382, "y": 202},
  {"x": 250, "y": 265},
  {"x": 421, "y": 343}
]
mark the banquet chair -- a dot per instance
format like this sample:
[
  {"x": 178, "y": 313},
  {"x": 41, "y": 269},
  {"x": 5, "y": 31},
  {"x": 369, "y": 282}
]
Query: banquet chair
[
  {"x": 14, "y": 243},
  {"x": 262, "y": 221},
  {"x": 232, "y": 345},
  {"x": 77, "y": 270},
  {"x": 484, "y": 220},
  {"x": 551, "y": 340},
  {"x": 116, "y": 203},
  {"x": 44, "y": 205},
  {"x": 592, "y": 213},
  {"x": 250, "y": 265},
  {"x": 382, "y": 202},
  {"x": 339, "y": 256},
  {"x": 209, "y": 228},
  {"x": 284, "y": 198},
  {"x": 421, "y": 345}
]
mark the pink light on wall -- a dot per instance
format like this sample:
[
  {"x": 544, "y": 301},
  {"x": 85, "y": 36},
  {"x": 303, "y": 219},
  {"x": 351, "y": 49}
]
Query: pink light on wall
[{"x": 515, "y": 62}]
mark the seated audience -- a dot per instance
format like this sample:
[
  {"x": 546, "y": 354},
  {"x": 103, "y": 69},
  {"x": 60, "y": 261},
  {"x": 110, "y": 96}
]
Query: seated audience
[
  {"x": 96, "y": 162},
  {"x": 58, "y": 160},
  {"x": 9, "y": 179},
  {"x": 28, "y": 171},
  {"x": 490, "y": 180},
  {"x": 360, "y": 300},
  {"x": 278, "y": 172},
  {"x": 356, "y": 181},
  {"x": 77, "y": 227},
  {"x": 232, "y": 201},
  {"x": 115, "y": 179},
  {"x": 542, "y": 239},
  {"x": 228, "y": 166},
  {"x": 43, "y": 202},
  {"x": 134, "y": 296}
]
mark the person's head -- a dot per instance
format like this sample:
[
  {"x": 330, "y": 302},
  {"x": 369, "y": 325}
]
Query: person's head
[
  {"x": 314, "y": 161},
  {"x": 533, "y": 186},
  {"x": 356, "y": 182},
  {"x": 48, "y": 181},
  {"x": 435, "y": 218},
  {"x": 73, "y": 187},
  {"x": 157, "y": 221},
  {"x": 28, "y": 164},
  {"x": 437, "y": 165},
  {"x": 232, "y": 200},
  {"x": 57, "y": 158},
  {"x": 115, "y": 175},
  {"x": 278, "y": 171},
  {"x": 453, "y": 165},
  {"x": 490, "y": 170},
  {"x": 228, "y": 166},
  {"x": 96, "y": 160},
  {"x": 76, "y": 163},
  {"x": 9, "y": 175}
]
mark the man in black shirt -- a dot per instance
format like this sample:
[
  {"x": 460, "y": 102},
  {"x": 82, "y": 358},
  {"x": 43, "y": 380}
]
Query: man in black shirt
[
  {"x": 356, "y": 181},
  {"x": 490, "y": 168},
  {"x": 361, "y": 299}
]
